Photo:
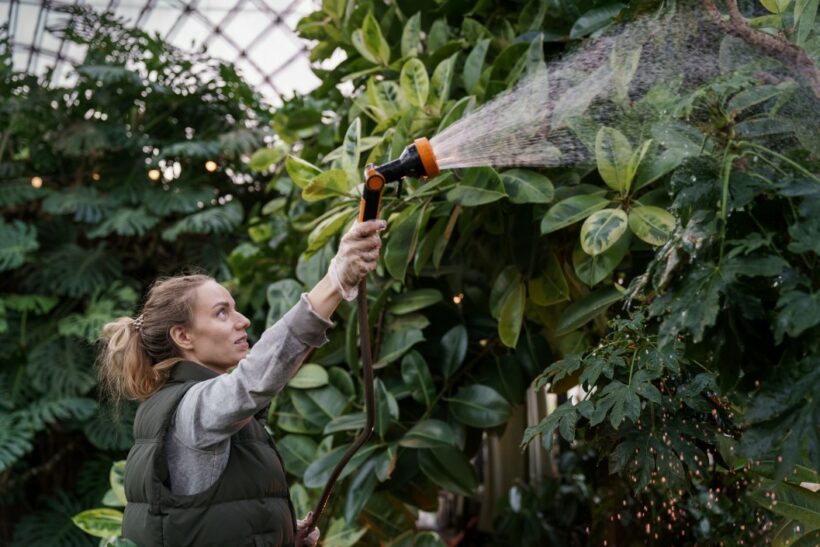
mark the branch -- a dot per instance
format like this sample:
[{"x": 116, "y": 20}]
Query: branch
[{"x": 774, "y": 46}]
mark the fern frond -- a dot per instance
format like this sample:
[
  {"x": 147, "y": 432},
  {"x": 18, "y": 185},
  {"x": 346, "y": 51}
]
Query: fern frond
[
  {"x": 61, "y": 366},
  {"x": 52, "y": 526},
  {"x": 103, "y": 307},
  {"x": 19, "y": 191},
  {"x": 240, "y": 141},
  {"x": 81, "y": 139},
  {"x": 216, "y": 220},
  {"x": 75, "y": 271},
  {"x": 190, "y": 149},
  {"x": 86, "y": 204},
  {"x": 16, "y": 241},
  {"x": 125, "y": 221},
  {"x": 176, "y": 199},
  {"x": 47, "y": 411},
  {"x": 112, "y": 432},
  {"x": 15, "y": 440}
]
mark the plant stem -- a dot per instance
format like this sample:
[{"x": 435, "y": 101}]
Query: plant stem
[
  {"x": 631, "y": 364},
  {"x": 781, "y": 157}
]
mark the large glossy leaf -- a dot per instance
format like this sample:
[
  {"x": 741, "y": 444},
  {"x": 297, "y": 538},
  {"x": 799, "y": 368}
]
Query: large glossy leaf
[
  {"x": 361, "y": 487},
  {"x": 511, "y": 315},
  {"x": 525, "y": 186},
  {"x": 414, "y": 82},
  {"x": 282, "y": 295},
  {"x": 298, "y": 452},
  {"x": 396, "y": 343},
  {"x": 461, "y": 108},
  {"x": 413, "y": 301},
  {"x": 100, "y": 523},
  {"x": 17, "y": 239},
  {"x": 453, "y": 349},
  {"x": 613, "y": 154},
  {"x": 441, "y": 82},
  {"x": 319, "y": 406},
  {"x": 594, "y": 269},
  {"x": 411, "y": 36},
  {"x": 386, "y": 408},
  {"x": 300, "y": 171},
  {"x": 449, "y": 468},
  {"x": 416, "y": 375},
  {"x": 479, "y": 406},
  {"x": 318, "y": 472},
  {"x": 349, "y": 159},
  {"x": 347, "y": 422},
  {"x": 429, "y": 434},
  {"x": 571, "y": 210},
  {"x": 401, "y": 246},
  {"x": 595, "y": 19},
  {"x": 474, "y": 65},
  {"x": 602, "y": 229},
  {"x": 507, "y": 280},
  {"x": 651, "y": 224},
  {"x": 326, "y": 229},
  {"x": 551, "y": 286},
  {"x": 370, "y": 42},
  {"x": 793, "y": 502},
  {"x": 587, "y": 308},
  {"x": 480, "y": 186},
  {"x": 331, "y": 183},
  {"x": 309, "y": 376}
]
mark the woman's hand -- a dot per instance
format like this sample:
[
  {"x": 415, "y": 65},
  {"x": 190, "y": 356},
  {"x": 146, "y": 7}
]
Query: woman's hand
[
  {"x": 305, "y": 537},
  {"x": 357, "y": 256}
]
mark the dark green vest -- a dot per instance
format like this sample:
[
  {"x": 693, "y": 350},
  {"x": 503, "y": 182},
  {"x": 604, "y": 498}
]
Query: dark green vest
[{"x": 248, "y": 505}]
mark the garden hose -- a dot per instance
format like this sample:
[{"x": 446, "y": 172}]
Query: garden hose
[{"x": 417, "y": 160}]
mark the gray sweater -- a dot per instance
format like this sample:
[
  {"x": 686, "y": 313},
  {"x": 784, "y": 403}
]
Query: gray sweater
[{"x": 198, "y": 441}]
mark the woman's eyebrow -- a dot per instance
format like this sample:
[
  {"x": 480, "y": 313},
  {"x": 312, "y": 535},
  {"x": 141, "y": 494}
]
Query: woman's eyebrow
[{"x": 221, "y": 303}]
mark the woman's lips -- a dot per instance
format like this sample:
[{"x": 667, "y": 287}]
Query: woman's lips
[{"x": 242, "y": 342}]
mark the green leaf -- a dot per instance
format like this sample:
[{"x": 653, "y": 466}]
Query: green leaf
[
  {"x": 309, "y": 376},
  {"x": 401, "y": 245},
  {"x": 319, "y": 406},
  {"x": 264, "y": 158},
  {"x": 619, "y": 402},
  {"x": 525, "y": 186},
  {"x": 17, "y": 239},
  {"x": 413, "y": 301},
  {"x": 318, "y": 472},
  {"x": 474, "y": 65},
  {"x": 805, "y": 13},
  {"x": 587, "y": 308},
  {"x": 220, "y": 219},
  {"x": 347, "y": 422},
  {"x": 551, "y": 286},
  {"x": 507, "y": 280},
  {"x": 479, "y": 406},
  {"x": 562, "y": 418},
  {"x": 301, "y": 172},
  {"x": 298, "y": 452},
  {"x": 349, "y": 160},
  {"x": 387, "y": 408},
  {"x": 332, "y": 183},
  {"x": 511, "y": 315},
  {"x": 595, "y": 19},
  {"x": 449, "y": 468},
  {"x": 441, "y": 82},
  {"x": 624, "y": 60},
  {"x": 797, "y": 312},
  {"x": 411, "y": 36},
  {"x": 752, "y": 96},
  {"x": 462, "y": 107},
  {"x": 361, "y": 487},
  {"x": 385, "y": 96},
  {"x": 370, "y": 42},
  {"x": 453, "y": 349},
  {"x": 480, "y": 186},
  {"x": 793, "y": 502},
  {"x": 396, "y": 343},
  {"x": 414, "y": 82},
  {"x": 652, "y": 224},
  {"x": 282, "y": 295},
  {"x": 99, "y": 523},
  {"x": 429, "y": 434},
  {"x": 417, "y": 377},
  {"x": 571, "y": 210},
  {"x": 602, "y": 229},
  {"x": 594, "y": 269},
  {"x": 340, "y": 534},
  {"x": 613, "y": 154},
  {"x": 776, "y": 6},
  {"x": 116, "y": 477},
  {"x": 125, "y": 221}
]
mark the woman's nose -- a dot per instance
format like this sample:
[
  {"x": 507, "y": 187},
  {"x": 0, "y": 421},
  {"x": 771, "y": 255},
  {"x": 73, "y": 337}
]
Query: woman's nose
[{"x": 244, "y": 322}]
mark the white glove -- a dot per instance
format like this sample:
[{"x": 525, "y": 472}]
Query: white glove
[
  {"x": 357, "y": 256},
  {"x": 305, "y": 537}
]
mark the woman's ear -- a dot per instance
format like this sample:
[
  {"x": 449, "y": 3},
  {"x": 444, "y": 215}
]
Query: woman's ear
[{"x": 179, "y": 335}]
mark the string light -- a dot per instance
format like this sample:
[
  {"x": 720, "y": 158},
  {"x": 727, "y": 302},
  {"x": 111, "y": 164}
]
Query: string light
[
  {"x": 95, "y": 176},
  {"x": 37, "y": 182},
  {"x": 210, "y": 166},
  {"x": 458, "y": 298},
  {"x": 154, "y": 174}
]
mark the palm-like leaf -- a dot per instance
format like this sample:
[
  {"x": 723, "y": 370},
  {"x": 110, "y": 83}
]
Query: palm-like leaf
[
  {"x": 53, "y": 527},
  {"x": 61, "y": 366},
  {"x": 75, "y": 271},
  {"x": 125, "y": 221},
  {"x": 177, "y": 199},
  {"x": 16, "y": 241},
  {"x": 86, "y": 204},
  {"x": 103, "y": 307},
  {"x": 216, "y": 220},
  {"x": 111, "y": 431},
  {"x": 17, "y": 192}
]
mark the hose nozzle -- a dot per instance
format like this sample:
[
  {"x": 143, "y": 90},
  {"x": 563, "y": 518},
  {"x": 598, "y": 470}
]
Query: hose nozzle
[{"x": 417, "y": 160}]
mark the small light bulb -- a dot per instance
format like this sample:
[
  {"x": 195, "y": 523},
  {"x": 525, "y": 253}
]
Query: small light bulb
[
  {"x": 154, "y": 174},
  {"x": 95, "y": 176},
  {"x": 458, "y": 298},
  {"x": 37, "y": 182},
  {"x": 210, "y": 166}
]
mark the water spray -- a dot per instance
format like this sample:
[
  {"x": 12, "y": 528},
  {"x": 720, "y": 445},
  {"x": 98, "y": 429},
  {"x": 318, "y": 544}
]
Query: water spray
[{"x": 417, "y": 160}]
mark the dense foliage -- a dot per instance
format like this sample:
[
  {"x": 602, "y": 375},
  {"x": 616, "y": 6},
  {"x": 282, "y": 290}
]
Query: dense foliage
[{"x": 671, "y": 274}]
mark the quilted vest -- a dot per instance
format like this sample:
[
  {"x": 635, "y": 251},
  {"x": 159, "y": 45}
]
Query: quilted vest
[{"x": 248, "y": 506}]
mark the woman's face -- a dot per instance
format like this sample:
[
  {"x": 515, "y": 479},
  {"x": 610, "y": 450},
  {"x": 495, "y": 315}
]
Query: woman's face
[{"x": 217, "y": 338}]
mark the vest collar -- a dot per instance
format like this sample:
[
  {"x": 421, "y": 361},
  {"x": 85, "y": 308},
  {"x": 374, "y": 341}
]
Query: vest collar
[{"x": 188, "y": 371}]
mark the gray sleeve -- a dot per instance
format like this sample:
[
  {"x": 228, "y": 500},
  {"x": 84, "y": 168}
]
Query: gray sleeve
[{"x": 213, "y": 410}]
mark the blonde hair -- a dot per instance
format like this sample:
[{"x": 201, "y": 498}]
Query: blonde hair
[{"x": 136, "y": 354}]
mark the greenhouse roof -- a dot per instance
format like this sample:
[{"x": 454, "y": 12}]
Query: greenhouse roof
[{"x": 256, "y": 35}]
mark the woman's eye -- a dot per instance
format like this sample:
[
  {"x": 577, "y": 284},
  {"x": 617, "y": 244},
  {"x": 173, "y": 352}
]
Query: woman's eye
[{"x": 221, "y": 313}]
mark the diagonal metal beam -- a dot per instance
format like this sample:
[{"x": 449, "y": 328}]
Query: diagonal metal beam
[{"x": 34, "y": 40}]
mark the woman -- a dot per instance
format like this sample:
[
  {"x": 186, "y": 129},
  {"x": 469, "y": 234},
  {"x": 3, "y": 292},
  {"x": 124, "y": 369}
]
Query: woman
[{"x": 203, "y": 471}]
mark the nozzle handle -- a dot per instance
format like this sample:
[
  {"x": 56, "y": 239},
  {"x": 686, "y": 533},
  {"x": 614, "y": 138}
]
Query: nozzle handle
[{"x": 371, "y": 194}]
